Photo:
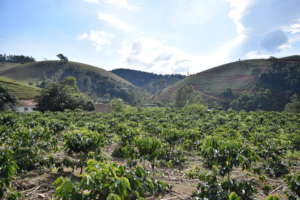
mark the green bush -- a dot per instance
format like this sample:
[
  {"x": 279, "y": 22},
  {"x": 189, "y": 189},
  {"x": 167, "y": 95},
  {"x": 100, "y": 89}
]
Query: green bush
[{"x": 109, "y": 181}]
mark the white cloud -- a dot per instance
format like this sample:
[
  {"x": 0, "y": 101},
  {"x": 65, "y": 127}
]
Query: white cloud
[
  {"x": 99, "y": 38},
  {"x": 92, "y": 1},
  {"x": 256, "y": 20},
  {"x": 153, "y": 55},
  {"x": 257, "y": 55},
  {"x": 291, "y": 41},
  {"x": 238, "y": 9},
  {"x": 293, "y": 28},
  {"x": 117, "y": 3},
  {"x": 115, "y": 22},
  {"x": 120, "y": 3}
]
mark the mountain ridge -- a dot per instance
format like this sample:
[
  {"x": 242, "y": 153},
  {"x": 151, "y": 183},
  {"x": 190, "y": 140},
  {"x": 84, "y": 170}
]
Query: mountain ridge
[
  {"x": 151, "y": 82},
  {"x": 94, "y": 81}
]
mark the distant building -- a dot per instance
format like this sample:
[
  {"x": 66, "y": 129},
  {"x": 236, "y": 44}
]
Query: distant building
[
  {"x": 102, "y": 107},
  {"x": 26, "y": 106}
]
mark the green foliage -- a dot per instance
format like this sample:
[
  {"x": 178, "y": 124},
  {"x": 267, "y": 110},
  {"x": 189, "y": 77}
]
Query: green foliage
[
  {"x": 19, "y": 90},
  {"x": 274, "y": 89},
  {"x": 195, "y": 108},
  {"x": 153, "y": 83},
  {"x": 213, "y": 188},
  {"x": 59, "y": 97},
  {"x": 183, "y": 96},
  {"x": 62, "y": 58},
  {"x": 271, "y": 197},
  {"x": 293, "y": 182},
  {"x": 149, "y": 148},
  {"x": 260, "y": 100},
  {"x": 226, "y": 154},
  {"x": 98, "y": 84},
  {"x": 82, "y": 142},
  {"x": 109, "y": 181},
  {"x": 7, "y": 101},
  {"x": 117, "y": 105},
  {"x": 226, "y": 142},
  {"x": 272, "y": 151},
  {"x": 16, "y": 59},
  {"x": 8, "y": 168},
  {"x": 70, "y": 81},
  {"x": 293, "y": 105},
  {"x": 233, "y": 196}
]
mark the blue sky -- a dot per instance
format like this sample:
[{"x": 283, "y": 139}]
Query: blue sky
[{"x": 161, "y": 36}]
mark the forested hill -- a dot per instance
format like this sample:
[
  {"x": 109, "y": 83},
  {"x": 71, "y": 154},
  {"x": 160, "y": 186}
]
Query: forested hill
[
  {"x": 95, "y": 82},
  {"x": 153, "y": 83},
  {"x": 260, "y": 84}
]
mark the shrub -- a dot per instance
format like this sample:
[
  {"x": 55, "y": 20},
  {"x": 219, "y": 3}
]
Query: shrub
[{"x": 110, "y": 181}]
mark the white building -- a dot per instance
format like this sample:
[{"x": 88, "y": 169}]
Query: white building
[{"x": 26, "y": 106}]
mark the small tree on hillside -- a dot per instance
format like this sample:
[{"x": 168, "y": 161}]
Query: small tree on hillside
[{"x": 62, "y": 58}]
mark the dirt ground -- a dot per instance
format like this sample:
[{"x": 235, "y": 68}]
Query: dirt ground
[{"x": 37, "y": 185}]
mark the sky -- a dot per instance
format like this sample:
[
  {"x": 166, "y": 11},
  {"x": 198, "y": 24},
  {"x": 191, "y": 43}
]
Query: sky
[{"x": 160, "y": 36}]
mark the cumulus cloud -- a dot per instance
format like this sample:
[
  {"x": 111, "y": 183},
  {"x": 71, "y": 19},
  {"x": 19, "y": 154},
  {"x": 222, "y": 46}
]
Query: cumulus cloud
[
  {"x": 273, "y": 40},
  {"x": 293, "y": 28},
  {"x": 154, "y": 55},
  {"x": 121, "y": 3},
  {"x": 98, "y": 38},
  {"x": 238, "y": 9},
  {"x": 92, "y": 1},
  {"x": 115, "y": 22},
  {"x": 117, "y": 3},
  {"x": 268, "y": 24}
]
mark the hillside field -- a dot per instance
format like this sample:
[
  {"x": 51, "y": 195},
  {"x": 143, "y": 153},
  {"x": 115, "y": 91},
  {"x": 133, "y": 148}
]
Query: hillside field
[
  {"x": 153, "y": 153},
  {"x": 98, "y": 83},
  {"x": 20, "y": 90}
]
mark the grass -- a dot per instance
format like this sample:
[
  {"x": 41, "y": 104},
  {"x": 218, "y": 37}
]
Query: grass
[
  {"x": 211, "y": 83},
  {"x": 20, "y": 90},
  {"x": 32, "y": 72}
]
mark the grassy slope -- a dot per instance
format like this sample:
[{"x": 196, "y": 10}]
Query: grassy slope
[
  {"x": 237, "y": 75},
  {"x": 101, "y": 82},
  {"x": 31, "y": 72},
  {"x": 21, "y": 91}
]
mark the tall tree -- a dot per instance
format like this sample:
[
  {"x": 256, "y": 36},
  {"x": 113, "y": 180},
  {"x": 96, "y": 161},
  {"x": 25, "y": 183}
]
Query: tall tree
[
  {"x": 62, "y": 58},
  {"x": 61, "y": 96},
  {"x": 7, "y": 101}
]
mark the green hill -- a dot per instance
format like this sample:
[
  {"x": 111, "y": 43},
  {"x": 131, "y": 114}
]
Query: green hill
[
  {"x": 211, "y": 83},
  {"x": 95, "y": 82},
  {"x": 21, "y": 91},
  {"x": 242, "y": 77},
  {"x": 152, "y": 83}
]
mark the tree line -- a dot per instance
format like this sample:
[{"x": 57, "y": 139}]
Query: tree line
[{"x": 16, "y": 58}]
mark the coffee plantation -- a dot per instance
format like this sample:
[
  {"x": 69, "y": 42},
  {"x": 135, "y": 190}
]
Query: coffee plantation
[{"x": 150, "y": 153}]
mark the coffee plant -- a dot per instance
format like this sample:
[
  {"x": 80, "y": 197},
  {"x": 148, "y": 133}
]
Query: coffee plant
[
  {"x": 110, "y": 181},
  {"x": 244, "y": 152}
]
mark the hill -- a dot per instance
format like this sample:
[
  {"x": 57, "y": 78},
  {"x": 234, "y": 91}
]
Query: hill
[
  {"x": 240, "y": 78},
  {"x": 95, "y": 82},
  {"x": 153, "y": 83},
  {"x": 21, "y": 91}
]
